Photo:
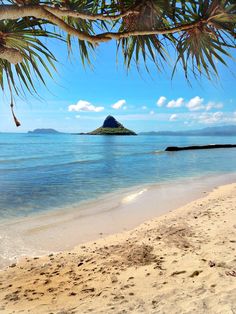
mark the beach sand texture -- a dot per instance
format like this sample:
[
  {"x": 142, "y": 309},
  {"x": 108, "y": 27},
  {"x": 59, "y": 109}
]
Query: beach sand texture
[{"x": 181, "y": 262}]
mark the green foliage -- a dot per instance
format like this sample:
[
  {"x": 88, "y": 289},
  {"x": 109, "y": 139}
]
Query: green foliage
[
  {"x": 24, "y": 35},
  {"x": 112, "y": 131},
  {"x": 200, "y": 48},
  {"x": 201, "y": 33}
]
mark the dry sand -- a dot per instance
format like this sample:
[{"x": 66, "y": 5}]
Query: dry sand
[{"x": 181, "y": 262}]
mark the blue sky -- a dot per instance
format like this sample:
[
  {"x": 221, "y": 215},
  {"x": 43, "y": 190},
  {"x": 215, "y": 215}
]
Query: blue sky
[{"x": 78, "y": 99}]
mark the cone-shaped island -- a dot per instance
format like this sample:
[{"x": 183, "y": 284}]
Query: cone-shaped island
[{"x": 112, "y": 127}]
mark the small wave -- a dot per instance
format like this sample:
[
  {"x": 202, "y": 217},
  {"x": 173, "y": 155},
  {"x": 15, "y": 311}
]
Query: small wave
[
  {"x": 133, "y": 196},
  {"x": 50, "y": 166},
  {"x": 20, "y": 159},
  {"x": 145, "y": 153},
  {"x": 158, "y": 152}
]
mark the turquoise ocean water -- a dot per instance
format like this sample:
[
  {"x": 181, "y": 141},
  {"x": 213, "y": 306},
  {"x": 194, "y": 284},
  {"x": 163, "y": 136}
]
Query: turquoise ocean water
[{"x": 45, "y": 172}]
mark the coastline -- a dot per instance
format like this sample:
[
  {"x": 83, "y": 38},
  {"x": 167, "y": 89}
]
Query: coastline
[
  {"x": 62, "y": 230},
  {"x": 180, "y": 262}
]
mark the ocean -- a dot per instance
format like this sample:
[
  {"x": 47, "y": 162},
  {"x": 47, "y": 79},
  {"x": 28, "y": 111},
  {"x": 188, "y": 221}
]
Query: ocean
[{"x": 40, "y": 173}]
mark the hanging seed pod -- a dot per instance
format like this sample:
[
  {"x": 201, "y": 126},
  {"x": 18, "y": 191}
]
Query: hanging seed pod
[
  {"x": 145, "y": 19},
  {"x": 149, "y": 16},
  {"x": 130, "y": 22},
  {"x": 17, "y": 123}
]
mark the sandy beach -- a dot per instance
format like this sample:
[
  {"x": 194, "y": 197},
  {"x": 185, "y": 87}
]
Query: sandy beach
[
  {"x": 181, "y": 262},
  {"x": 63, "y": 229}
]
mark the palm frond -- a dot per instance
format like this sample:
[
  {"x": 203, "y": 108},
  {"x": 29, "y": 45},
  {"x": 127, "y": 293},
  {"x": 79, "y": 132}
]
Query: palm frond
[
  {"x": 200, "y": 48},
  {"x": 24, "y": 35}
]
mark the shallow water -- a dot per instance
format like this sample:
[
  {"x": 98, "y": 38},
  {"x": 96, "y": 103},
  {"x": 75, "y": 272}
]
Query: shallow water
[{"x": 39, "y": 173}]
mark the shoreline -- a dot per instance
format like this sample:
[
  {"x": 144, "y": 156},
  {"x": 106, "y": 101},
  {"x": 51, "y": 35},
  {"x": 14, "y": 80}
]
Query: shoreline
[
  {"x": 58, "y": 231},
  {"x": 180, "y": 262}
]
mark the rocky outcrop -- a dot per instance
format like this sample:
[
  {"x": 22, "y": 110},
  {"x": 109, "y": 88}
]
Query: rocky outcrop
[
  {"x": 112, "y": 127},
  {"x": 212, "y": 146},
  {"x": 111, "y": 122}
]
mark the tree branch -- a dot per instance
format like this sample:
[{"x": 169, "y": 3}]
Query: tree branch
[
  {"x": 15, "y": 12},
  {"x": 55, "y": 15},
  {"x": 45, "y": 14},
  {"x": 160, "y": 31},
  {"x": 62, "y": 12}
]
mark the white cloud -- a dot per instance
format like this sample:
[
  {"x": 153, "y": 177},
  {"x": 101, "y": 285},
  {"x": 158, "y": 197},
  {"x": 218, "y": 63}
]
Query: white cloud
[
  {"x": 144, "y": 107},
  {"x": 125, "y": 108},
  {"x": 77, "y": 116},
  {"x": 83, "y": 105},
  {"x": 119, "y": 104},
  {"x": 175, "y": 103},
  {"x": 161, "y": 101},
  {"x": 173, "y": 117},
  {"x": 213, "y": 105},
  {"x": 209, "y": 118},
  {"x": 192, "y": 118},
  {"x": 195, "y": 104}
]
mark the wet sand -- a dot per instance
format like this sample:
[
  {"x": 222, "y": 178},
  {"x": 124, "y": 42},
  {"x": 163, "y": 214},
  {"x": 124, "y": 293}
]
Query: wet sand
[
  {"x": 181, "y": 262},
  {"x": 63, "y": 229}
]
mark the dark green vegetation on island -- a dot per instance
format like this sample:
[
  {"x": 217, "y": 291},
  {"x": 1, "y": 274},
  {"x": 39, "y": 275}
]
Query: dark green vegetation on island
[
  {"x": 112, "y": 131},
  {"x": 111, "y": 127},
  {"x": 227, "y": 130},
  {"x": 44, "y": 131},
  {"x": 211, "y": 146}
]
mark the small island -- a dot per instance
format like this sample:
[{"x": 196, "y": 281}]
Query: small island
[
  {"x": 44, "y": 131},
  {"x": 111, "y": 127}
]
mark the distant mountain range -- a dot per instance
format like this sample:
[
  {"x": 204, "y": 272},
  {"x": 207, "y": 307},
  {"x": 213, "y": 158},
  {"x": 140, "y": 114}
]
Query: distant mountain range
[
  {"x": 44, "y": 131},
  {"x": 227, "y": 130},
  {"x": 112, "y": 127}
]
